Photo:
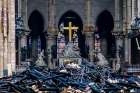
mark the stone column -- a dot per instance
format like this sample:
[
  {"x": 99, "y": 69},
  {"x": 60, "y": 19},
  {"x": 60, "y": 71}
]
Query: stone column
[
  {"x": 11, "y": 38},
  {"x": 127, "y": 20},
  {"x": 138, "y": 4},
  {"x": 19, "y": 7},
  {"x": 51, "y": 15},
  {"x": 89, "y": 42},
  {"x": 117, "y": 29},
  {"x": 88, "y": 12},
  {"x": 50, "y": 43},
  {"x": 5, "y": 38},
  {"x": 19, "y": 14},
  {"x": 51, "y": 31},
  {"x": 125, "y": 30},
  {"x": 124, "y": 16},
  {"x": 19, "y": 51},
  {"x": 1, "y": 42},
  {"x": 134, "y": 8},
  {"x": 34, "y": 52},
  {"x": 117, "y": 16},
  {"x": 88, "y": 28},
  {"x": 24, "y": 13}
]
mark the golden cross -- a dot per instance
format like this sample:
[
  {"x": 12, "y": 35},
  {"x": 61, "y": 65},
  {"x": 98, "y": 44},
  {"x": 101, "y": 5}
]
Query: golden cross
[{"x": 70, "y": 28}]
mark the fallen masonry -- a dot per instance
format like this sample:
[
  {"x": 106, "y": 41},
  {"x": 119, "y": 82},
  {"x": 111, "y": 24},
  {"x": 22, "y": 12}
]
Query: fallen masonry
[
  {"x": 73, "y": 75},
  {"x": 85, "y": 78}
]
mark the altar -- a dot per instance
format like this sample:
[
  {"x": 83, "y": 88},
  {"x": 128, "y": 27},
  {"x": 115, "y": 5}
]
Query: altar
[
  {"x": 68, "y": 53},
  {"x": 70, "y": 56}
]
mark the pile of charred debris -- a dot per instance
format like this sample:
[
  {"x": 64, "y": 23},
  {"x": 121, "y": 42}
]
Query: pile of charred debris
[{"x": 85, "y": 78}]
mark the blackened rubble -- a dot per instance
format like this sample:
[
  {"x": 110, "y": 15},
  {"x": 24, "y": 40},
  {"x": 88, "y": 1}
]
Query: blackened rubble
[
  {"x": 88, "y": 78},
  {"x": 71, "y": 76}
]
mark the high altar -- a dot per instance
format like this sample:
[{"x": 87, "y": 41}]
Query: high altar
[{"x": 68, "y": 53}]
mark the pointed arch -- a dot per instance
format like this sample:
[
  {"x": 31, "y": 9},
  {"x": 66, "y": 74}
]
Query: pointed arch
[
  {"x": 72, "y": 16},
  {"x": 36, "y": 22},
  {"x": 36, "y": 40},
  {"x": 105, "y": 25}
]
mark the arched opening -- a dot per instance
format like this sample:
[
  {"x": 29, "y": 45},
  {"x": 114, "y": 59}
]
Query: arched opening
[
  {"x": 135, "y": 51},
  {"x": 36, "y": 23},
  {"x": 36, "y": 40},
  {"x": 105, "y": 25},
  {"x": 71, "y": 16}
]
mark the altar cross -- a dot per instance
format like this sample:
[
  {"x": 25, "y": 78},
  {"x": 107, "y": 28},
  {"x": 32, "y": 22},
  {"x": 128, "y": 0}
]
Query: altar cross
[{"x": 70, "y": 29}]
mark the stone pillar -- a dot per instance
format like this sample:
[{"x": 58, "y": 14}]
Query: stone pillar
[
  {"x": 138, "y": 4},
  {"x": 19, "y": 51},
  {"x": 88, "y": 28},
  {"x": 5, "y": 38},
  {"x": 11, "y": 37},
  {"x": 89, "y": 42},
  {"x": 88, "y": 12},
  {"x": 24, "y": 13},
  {"x": 50, "y": 43},
  {"x": 119, "y": 45},
  {"x": 134, "y": 8},
  {"x": 1, "y": 42},
  {"x": 124, "y": 16},
  {"x": 34, "y": 52},
  {"x": 125, "y": 29},
  {"x": 103, "y": 46},
  {"x": 7, "y": 35},
  {"x": 51, "y": 15},
  {"x": 127, "y": 12},
  {"x": 117, "y": 29},
  {"x": 19, "y": 8},
  {"x": 117, "y": 16},
  {"x": 19, "y": 14},
  {"x": 51, "y": 32}
]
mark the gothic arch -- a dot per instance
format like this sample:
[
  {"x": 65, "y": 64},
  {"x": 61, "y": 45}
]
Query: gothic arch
[
  {"x": 36, "y": 36},
  {"x": 36, "y": 22},
  {"x": 72, "y": 16},
  {"x": 105, "y": 25}
]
